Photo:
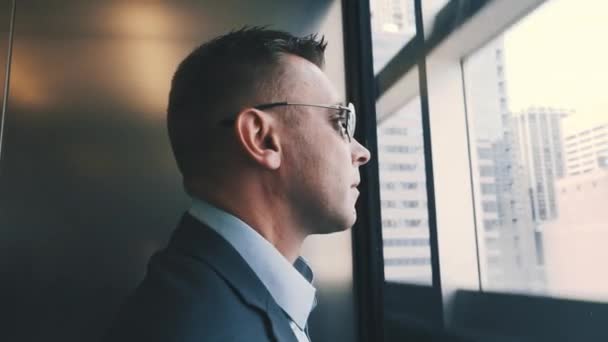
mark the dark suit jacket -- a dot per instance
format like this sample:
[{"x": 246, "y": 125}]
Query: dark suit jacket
[{"x": 200, "y": 289}]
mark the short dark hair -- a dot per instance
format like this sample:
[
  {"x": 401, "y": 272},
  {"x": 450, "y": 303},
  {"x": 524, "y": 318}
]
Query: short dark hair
[{"x": 221, "y": 76}]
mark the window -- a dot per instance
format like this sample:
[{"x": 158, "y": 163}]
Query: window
[
  {"x": 495, "y": 199},
  {"x": 407, "y": 262},
  {"x": 488, "y": 188},
  {"x": 401, "y": 154},
  {"x": 537, "y": 126},
  {"x": 403, "y": 195},
  {"x": 486, "y": 171},
  {"x": 400, "y": 149},
  {"x": 484, "y": 153},
  {"x": 399, "y": 166},
  {"x": 396, "y": 242},
  {"x": 393, "y": 26},
  {"x": 489, "y": 206},
  {"x": 390, "y": 32},
  {"x": 394, "y": 131},
  {"x": 490, "y": 224},
  {"x": 401, "y": 223}
]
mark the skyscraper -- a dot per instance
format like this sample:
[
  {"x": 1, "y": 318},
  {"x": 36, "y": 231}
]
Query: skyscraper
[
  {"x": 393, "y": 25},
  {"x": 539, "y": 132},
  {"x": 507, "y": 236},
  {"x": 394, "y": 16},
  {"x": 404, "y": 214}
]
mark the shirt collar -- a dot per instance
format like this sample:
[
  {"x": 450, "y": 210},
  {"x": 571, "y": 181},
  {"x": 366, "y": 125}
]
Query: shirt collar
[{"x": 289, "y": 285}]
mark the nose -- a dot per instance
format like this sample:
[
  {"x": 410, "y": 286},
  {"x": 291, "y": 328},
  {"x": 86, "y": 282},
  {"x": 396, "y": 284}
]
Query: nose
[{"x": 360, "y": 154}]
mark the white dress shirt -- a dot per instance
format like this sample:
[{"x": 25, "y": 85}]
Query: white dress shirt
[{"x": 289, "y": 284}]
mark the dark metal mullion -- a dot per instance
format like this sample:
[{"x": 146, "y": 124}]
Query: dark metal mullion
[
  {"x": 428, "y": 160},
  {"x": 8, "y": 74},
  {"x": 368, "y": 269}
]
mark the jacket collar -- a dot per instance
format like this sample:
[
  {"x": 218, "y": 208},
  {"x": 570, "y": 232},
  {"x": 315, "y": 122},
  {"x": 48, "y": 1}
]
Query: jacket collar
[
  {"x": 289, "y": 284},
  {"x": 199, "y": 241}
]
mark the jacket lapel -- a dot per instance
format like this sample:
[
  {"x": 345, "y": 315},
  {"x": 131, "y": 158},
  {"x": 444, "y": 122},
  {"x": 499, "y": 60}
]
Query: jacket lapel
[
  {"x": 195, "y": 239},
  {"x": 279, "y": 322}
]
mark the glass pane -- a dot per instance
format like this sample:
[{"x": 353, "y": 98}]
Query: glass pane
[
  {"x": 393, "y": 25},
  {"x": 405, "y": 229},
  {"x": 539, "y": 133}
]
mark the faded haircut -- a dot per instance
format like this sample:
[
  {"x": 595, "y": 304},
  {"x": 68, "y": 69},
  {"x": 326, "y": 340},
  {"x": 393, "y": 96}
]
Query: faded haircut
[{"x": 224, "y": 75}]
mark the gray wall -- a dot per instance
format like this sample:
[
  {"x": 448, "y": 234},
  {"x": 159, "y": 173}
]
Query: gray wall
[{"x": 88, "y": 186}]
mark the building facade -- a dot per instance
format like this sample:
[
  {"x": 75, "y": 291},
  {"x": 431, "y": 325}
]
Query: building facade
[
  {"x": 586, "y": 150},
  {"x": 404, "y": 213},
  {"x": 539, "y": 131}
]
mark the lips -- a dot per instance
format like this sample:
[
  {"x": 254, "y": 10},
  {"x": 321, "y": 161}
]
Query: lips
[{"x": 356, "y": 191}]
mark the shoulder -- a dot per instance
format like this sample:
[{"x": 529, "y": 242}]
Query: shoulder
[{"x": 184, "y": 299}]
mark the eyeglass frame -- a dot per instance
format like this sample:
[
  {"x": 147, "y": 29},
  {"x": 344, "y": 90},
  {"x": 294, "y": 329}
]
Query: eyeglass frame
[{"x": 348, "y": 111}]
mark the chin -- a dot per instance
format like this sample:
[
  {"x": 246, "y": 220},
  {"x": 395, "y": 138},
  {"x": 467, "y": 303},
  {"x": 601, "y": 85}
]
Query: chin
[
  {"x": 335, "y": 222},
  {"x": 347, "y": 223},
  {"x": 336, "y": 227},
  {"x": 338, "y": 230}
]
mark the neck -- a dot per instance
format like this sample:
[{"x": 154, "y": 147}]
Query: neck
[{"x": 263, "y": 211}]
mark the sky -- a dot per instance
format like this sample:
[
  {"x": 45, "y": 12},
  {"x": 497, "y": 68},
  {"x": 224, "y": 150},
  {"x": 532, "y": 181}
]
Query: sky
[{"x": 558, "y": 56}]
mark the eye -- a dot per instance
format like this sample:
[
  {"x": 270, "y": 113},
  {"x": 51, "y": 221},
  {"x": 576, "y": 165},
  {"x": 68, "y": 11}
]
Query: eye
[
  {"x": 341, "y": 125},
  {"x": 340, "y": 122}
]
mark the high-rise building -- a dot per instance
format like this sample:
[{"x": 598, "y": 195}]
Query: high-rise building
[
  {"x": 490, "y": 238},
  {"x": 393, "y": 16},
  {"x": 404, "y": 214},
  {"x": 508, "y": 238},
  {"x": 586, "y": 150},
  {"x": 401, "y": 159},
  {"x": 393, "y": 25},
  {"x": 539, "y": 132}
]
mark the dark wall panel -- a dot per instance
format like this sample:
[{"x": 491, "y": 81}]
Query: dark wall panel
[
  {"x": 88, "y": 186},
  {"x": 5, "y": 21}
]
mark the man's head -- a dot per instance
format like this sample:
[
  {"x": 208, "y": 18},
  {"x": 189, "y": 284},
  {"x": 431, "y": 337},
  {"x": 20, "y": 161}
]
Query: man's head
[{"x": 296, "y": 155}]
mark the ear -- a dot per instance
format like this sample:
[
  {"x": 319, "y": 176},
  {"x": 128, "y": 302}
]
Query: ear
[{"x": 257, "y": 134}]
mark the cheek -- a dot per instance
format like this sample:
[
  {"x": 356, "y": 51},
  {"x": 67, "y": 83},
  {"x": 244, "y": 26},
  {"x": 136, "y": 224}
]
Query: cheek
[
  {"x": 339, "y": 171},
  {"x": 321, "y": 159}
]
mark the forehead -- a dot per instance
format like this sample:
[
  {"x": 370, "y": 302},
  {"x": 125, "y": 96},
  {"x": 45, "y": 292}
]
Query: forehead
[{"x": 307, "y": 83}]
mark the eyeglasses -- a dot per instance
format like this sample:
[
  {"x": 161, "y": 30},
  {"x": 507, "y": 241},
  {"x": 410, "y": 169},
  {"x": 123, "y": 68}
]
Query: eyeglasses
[{"x": 346, "y": 114}]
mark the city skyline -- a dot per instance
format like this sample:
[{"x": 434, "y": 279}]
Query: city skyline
[{"x": 524, "y": 96}]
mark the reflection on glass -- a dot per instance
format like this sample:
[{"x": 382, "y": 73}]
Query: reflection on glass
[
  {"x": 539, "y": 126},
  {"x": 393, "y": 25},
  {"x": 403, "y": 197}
]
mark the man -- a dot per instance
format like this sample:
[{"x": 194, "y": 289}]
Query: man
[{"x": 268, "y": 156}]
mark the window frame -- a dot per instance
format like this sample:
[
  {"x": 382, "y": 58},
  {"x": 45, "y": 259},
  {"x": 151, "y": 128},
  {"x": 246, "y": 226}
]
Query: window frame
[{"x": 454, "y": 302}]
